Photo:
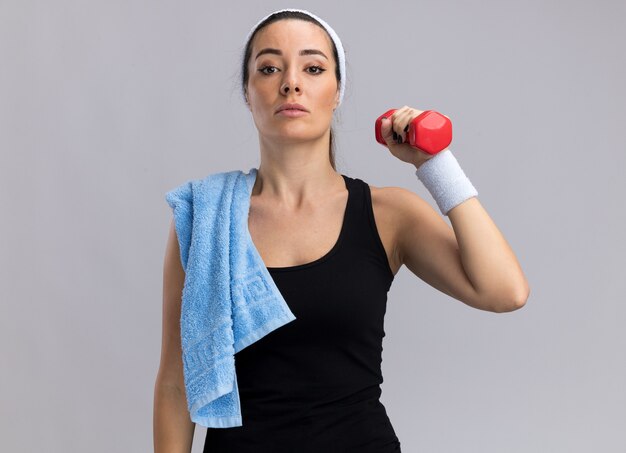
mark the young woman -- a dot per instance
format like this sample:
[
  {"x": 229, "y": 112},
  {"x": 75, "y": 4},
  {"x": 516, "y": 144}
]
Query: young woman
[{"x": 333, "y": 245}]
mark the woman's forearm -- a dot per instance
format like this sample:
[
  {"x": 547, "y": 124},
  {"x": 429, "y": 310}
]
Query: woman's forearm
[
  {"x": 173, "y": 429},
  {"x": 487, "y": 258}
]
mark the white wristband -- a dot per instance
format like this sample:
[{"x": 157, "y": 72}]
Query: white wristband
[{"x": 445, "y": 180}]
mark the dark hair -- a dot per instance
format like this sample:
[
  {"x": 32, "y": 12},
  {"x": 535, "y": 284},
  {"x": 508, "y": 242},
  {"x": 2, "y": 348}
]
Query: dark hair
[{"x": 300, "y": 16}]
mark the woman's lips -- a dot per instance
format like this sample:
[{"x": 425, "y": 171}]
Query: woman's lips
[{"x": 292, "y": 113}]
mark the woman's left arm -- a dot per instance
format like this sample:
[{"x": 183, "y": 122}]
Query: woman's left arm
[{"x": 471, "y": 261}]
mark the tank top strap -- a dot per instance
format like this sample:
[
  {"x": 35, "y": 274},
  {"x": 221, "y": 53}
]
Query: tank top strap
[{"x": 361, "y": 230}]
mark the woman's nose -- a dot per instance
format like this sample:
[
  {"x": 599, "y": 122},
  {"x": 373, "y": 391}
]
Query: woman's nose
[
  {"x": 290, "y": 84},
  {"x": 287, "y": 87}
]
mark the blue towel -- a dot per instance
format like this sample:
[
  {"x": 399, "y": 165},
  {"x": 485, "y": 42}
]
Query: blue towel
[{"x": 229, "y": 298}]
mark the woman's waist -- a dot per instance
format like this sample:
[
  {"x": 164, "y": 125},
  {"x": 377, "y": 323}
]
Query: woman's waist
[{"x": 304, "y": 403}]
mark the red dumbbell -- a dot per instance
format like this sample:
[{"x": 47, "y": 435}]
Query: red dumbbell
[{"x": 430, "y": 131}]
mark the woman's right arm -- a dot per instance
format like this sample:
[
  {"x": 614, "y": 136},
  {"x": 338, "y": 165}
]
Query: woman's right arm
[{"x": 173, "y": 428}]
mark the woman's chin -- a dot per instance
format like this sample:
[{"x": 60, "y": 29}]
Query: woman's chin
[{"x": 291, "y": 137}]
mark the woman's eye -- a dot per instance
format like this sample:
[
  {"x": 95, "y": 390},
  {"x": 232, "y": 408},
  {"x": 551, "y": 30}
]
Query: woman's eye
[
  {"x": 266, "y": 67},
  {"x": 319, "y": 69}
]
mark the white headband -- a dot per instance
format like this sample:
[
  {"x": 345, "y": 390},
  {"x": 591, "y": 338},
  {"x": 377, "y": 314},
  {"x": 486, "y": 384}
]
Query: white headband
[{"x": 333, "y": 35}]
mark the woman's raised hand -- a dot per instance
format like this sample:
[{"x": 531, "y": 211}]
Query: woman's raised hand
[{"x": 394, "y": 131}]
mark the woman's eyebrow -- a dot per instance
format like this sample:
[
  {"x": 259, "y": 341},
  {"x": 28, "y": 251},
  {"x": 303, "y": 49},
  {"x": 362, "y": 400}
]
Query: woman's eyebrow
[{"x": 279, "y": 52}]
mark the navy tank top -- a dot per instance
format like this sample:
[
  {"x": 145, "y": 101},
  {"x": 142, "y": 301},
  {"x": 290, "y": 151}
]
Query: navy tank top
[{"x": 313, "y": 385}]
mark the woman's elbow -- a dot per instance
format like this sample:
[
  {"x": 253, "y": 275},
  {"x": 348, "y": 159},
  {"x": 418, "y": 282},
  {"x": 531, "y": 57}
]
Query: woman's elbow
[{"x": 514, "y": 301}]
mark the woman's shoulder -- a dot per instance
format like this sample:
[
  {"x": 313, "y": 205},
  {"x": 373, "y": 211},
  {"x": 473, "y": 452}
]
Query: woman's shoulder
[
  {"x": 396, "y": 211},
  {"x": 399, "y": 205},
  {"x": 390, "y": 201},
  {"x": 390, "y": 197}
]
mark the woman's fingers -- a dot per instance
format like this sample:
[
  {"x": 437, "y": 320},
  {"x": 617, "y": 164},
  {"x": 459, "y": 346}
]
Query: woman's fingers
[{"x": 401, "y": 120}]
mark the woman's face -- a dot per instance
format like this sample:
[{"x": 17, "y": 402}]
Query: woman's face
[{"x": 310, "y": 78}]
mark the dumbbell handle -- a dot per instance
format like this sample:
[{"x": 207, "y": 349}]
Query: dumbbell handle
[{"x": 430, "y": 131}]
